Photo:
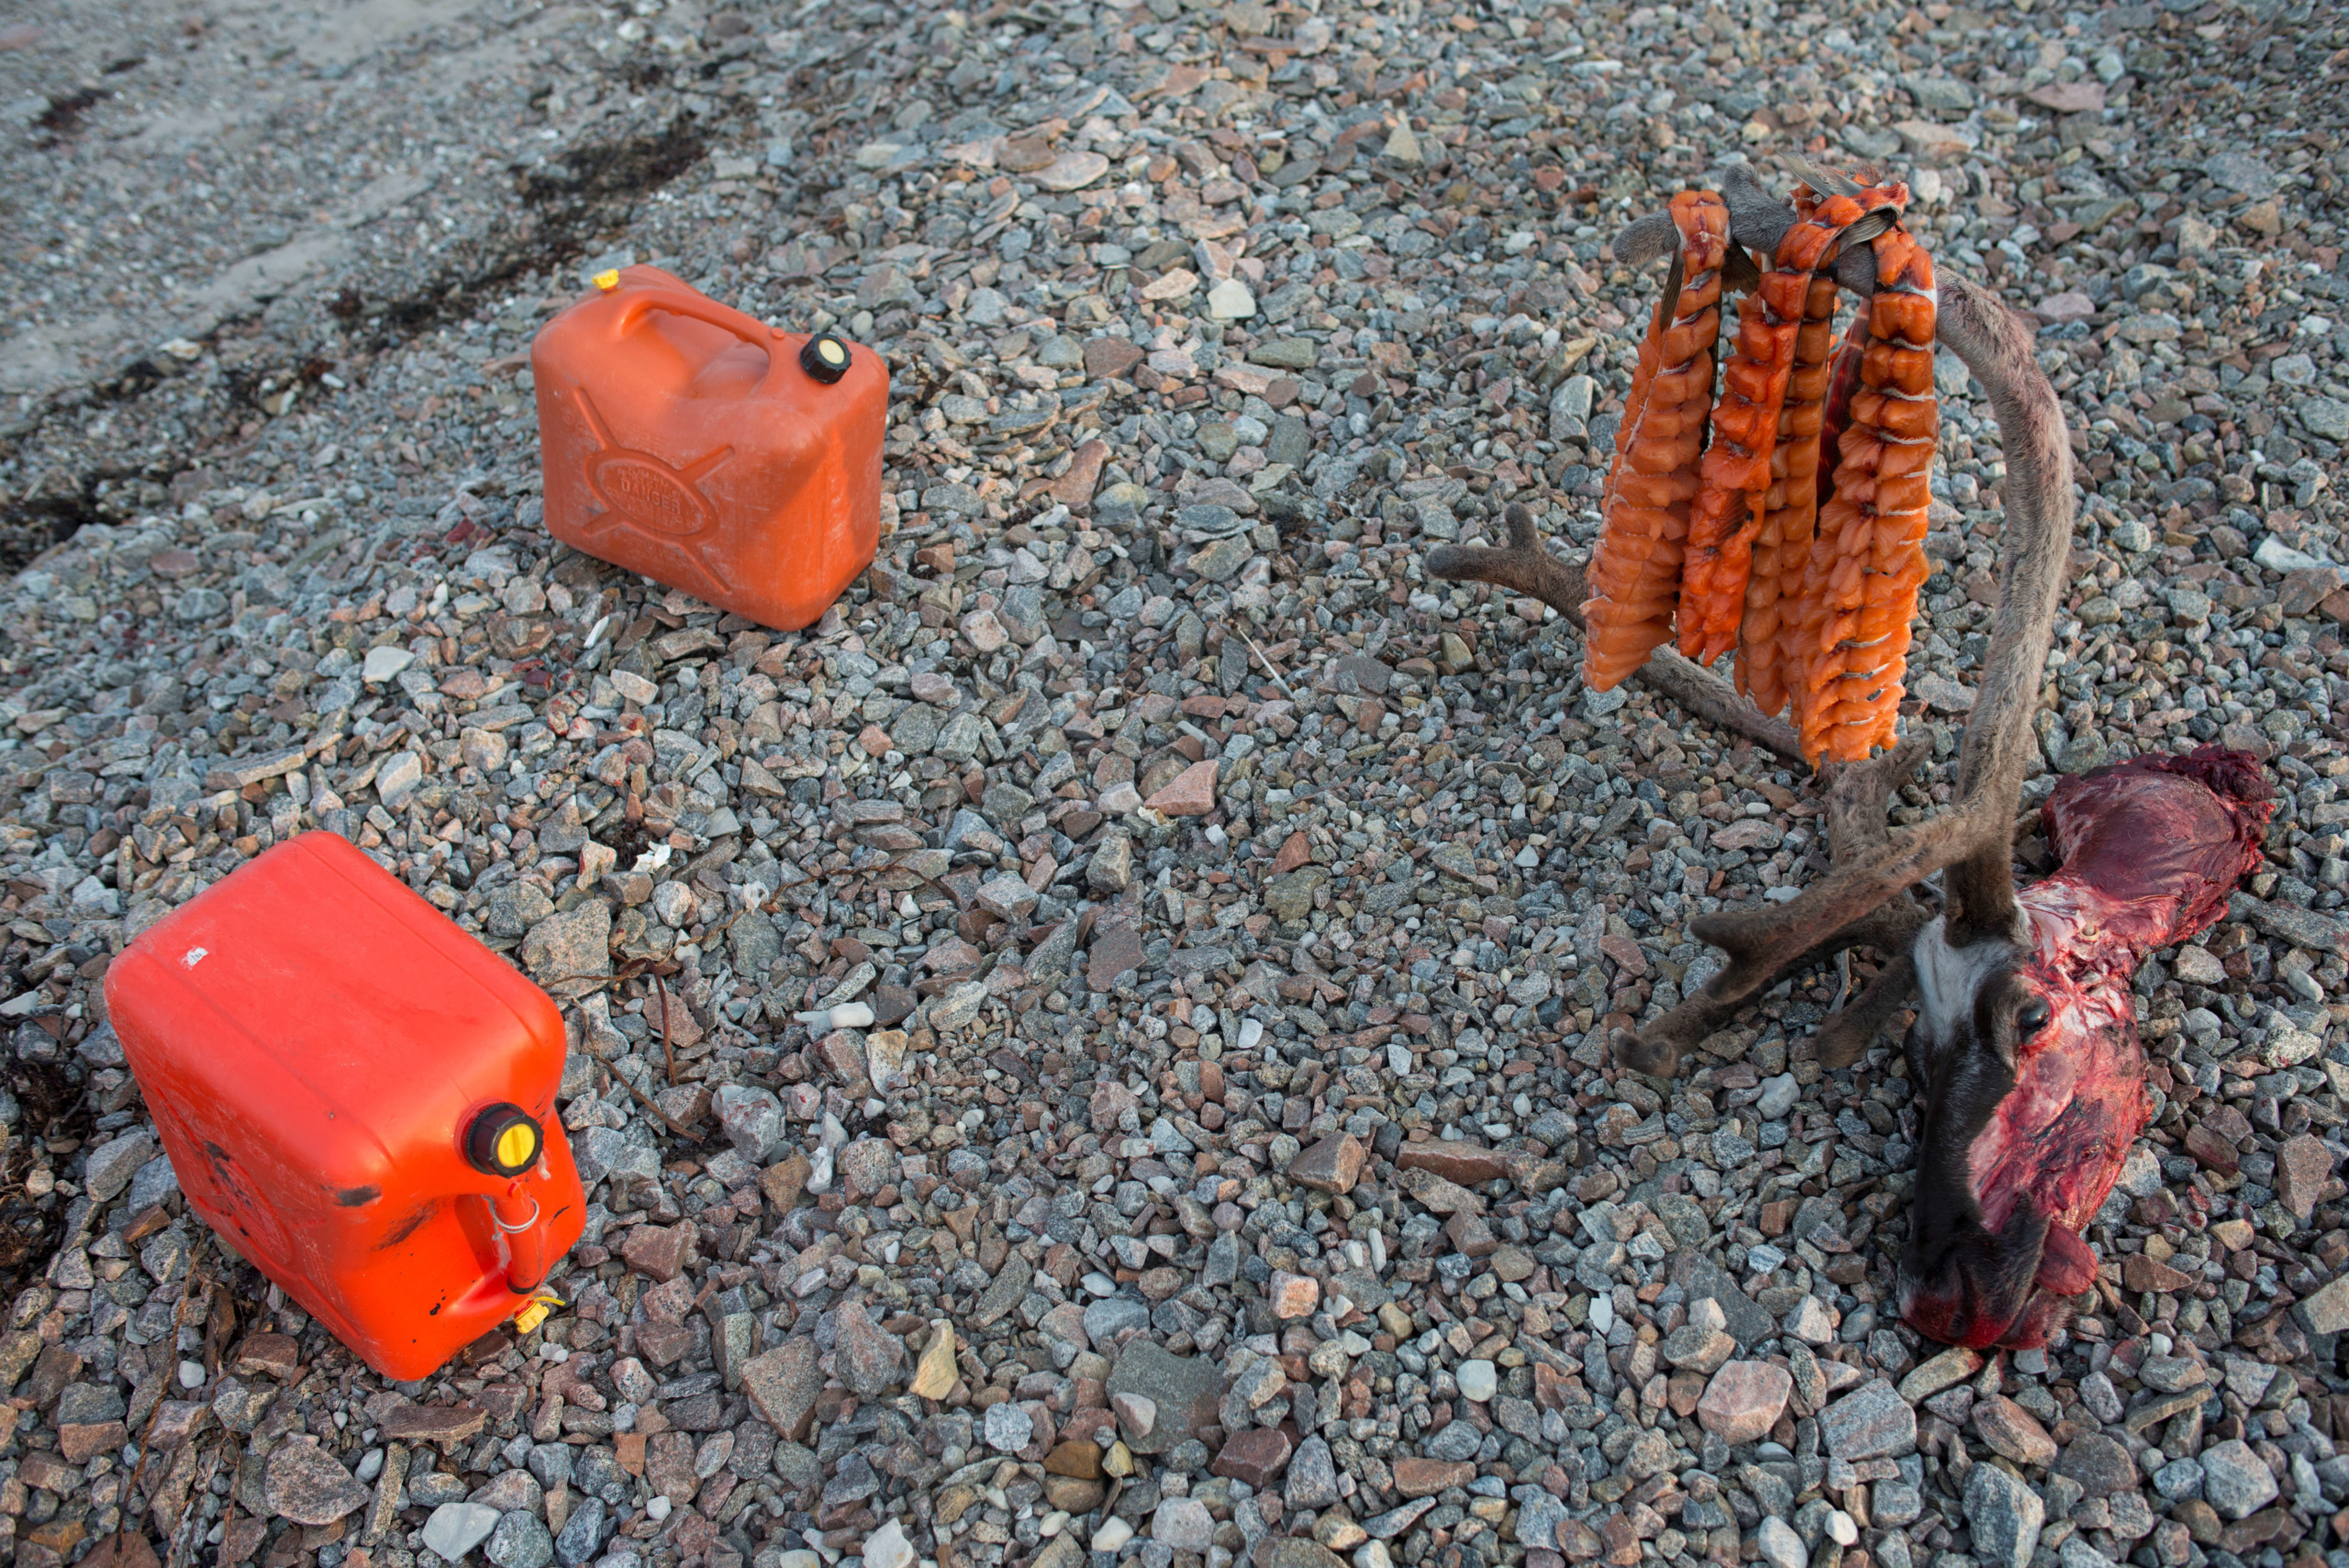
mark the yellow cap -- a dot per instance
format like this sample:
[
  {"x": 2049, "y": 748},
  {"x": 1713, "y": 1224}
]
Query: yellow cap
[
  {"x": 609, "y": 280},
  {"x": 502, "y": 1141},
  {"x": 535, "y": 1310},
  {"x": 518, "y": 1146},
  {"x": 831, "y": 350}
]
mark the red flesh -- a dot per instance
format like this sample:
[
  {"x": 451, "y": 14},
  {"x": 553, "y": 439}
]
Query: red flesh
[{"x": 2151, "y": 849}]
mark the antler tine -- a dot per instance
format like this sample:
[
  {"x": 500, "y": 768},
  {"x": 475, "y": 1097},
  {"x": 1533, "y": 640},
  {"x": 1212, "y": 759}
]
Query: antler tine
[
  {"x": 1526, "y": 566},
  {"x": 1973, "y": 840},
  {"x": 1648, "y": 238},
  {"x": 1826, "y": 181},
  {"x": 1846, "y": 1035},
  {"x": 2000, "y": 745}
]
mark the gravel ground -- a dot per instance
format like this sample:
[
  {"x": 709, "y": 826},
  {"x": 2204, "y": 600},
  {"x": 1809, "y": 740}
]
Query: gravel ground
[{"x": 1231, "y": 1165}]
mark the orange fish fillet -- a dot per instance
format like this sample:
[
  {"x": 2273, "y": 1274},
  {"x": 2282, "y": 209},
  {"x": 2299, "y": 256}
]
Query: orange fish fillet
[
  {"x": 1852, "y": 623},
  {"x": 1634, "y": 576}
]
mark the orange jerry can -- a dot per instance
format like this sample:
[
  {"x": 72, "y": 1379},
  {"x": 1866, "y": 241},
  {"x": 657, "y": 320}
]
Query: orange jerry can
[
  {"x": 357, "y": 1096},
  {"x": 708, "y": 450}
]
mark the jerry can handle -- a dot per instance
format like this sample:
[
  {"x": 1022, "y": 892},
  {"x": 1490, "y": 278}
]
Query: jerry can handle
[{"x": 763, "y": 337}]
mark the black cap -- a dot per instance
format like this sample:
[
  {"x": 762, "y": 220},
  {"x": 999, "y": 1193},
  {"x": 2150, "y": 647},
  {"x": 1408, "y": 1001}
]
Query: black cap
[
  {"x": 504, "y": 1141},
  {"x": 824, "y": 357}
]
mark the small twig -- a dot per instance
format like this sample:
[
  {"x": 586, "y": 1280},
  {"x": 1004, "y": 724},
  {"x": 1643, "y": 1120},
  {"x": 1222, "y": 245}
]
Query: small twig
[
  {"x": 667, "y": 1049},
  {"x": 647, "y": 1102},
  {"x": 1267, "y": 663}
]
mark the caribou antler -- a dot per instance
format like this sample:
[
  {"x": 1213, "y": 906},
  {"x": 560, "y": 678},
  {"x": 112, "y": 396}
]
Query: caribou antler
[
  {"x": 1523, "y": 566},
  {"x": 1864, "y": 898}
]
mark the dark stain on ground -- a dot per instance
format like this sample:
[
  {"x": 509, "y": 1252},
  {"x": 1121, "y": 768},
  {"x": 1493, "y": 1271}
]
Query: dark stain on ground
[
  {"x": 52, "y": 1107},
  {"x": 29, "y": 527},
  {"x": 565, "y": 205},
  {"x": 628, "y": 840},
  {"x": 63, "y": 116},
  {"x": 358, "y": 1197}
]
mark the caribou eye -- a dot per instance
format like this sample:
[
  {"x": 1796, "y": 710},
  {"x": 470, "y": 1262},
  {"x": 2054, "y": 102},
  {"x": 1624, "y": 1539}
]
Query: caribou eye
[{"x": 2031, "y": 1016}]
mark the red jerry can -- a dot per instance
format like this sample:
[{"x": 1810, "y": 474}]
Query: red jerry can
[
  {"x": 357, "y": 1096},
  {"x": 708, "y": 450}
]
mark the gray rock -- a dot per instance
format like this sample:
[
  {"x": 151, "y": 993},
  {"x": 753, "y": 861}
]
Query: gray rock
[
  {"x": 1457, "y": 1440},
  {"x": 1894, "y": 1504},
  {"x": 520, "y": 1540},
  {"x": 112, "y": 1163},
  {"x": 564, "y": 947},
  {"x": 1870, "y": 1422},
  {"x": 1705, "y": 1280},
  {"x": 871, "y": 1361},
  {"x": 398, "y": 778},
  {"x": 752, "y": 1120},
  {"x": 2099, "y": 1463},
  {"x": 582, "y": 1533},
  {"x": 2241, "y": 173},
  {"x": 1219, "y": 560},
  {"x": 2325, "y": 416},
  {"x": 1005, "y": 1292},
  {"x": 456, "y": 1529},
  {"x": 2005, "y": 1515},
  {"x": 1111, "y": 868},
  {"x": 1009, "y": 1427},
  {"x": 155, "y": 1182},
  {"x": 309, "y": 1485},
  {"x": 1185, "y": 1390},
  {"x": 2178, "y": 1480},
  {"x": 1312, "y": 1478},
  {"x": 1114, "y": 1315},
  {"x": 2102, "y": 1399},
  {"x": 1182, "y": 1524},
  {"x": 1781, "y": 1547},
  {"x": 510, "y": 1491},
  {"x": 1538, "y": 1517},
  {"x": 2235, "y": 1480}
]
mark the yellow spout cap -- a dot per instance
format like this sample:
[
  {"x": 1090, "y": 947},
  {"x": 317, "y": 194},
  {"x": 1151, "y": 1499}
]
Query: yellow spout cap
[{"x": 608, "y": 279}]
